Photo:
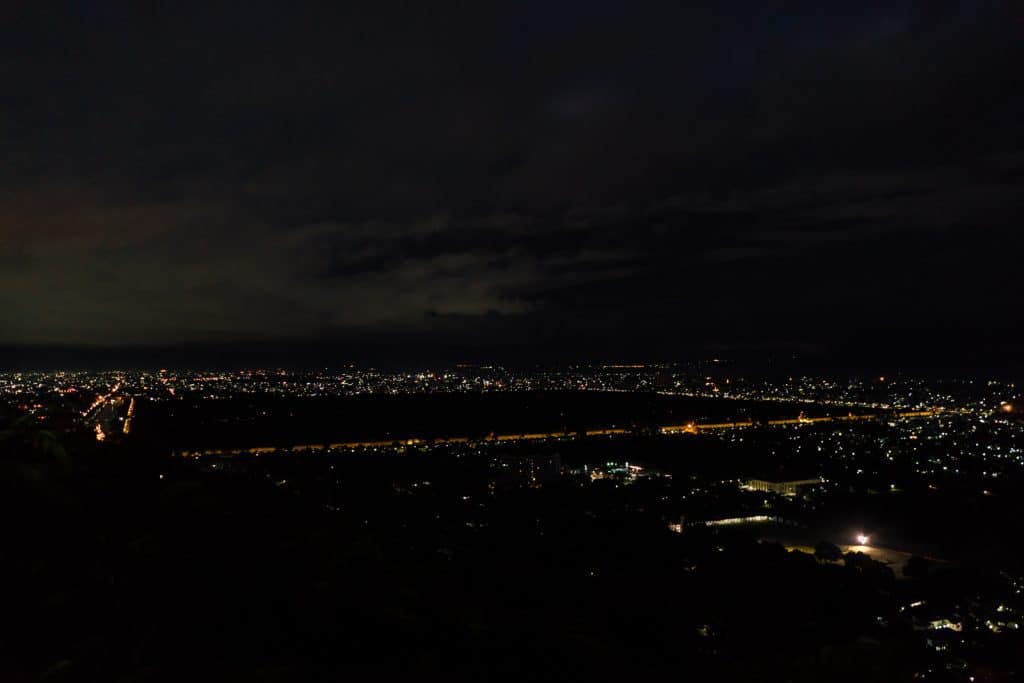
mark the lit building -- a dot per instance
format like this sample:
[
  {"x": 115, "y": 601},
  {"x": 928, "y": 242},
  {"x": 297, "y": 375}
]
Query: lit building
[{"x": 782, "y": 488}]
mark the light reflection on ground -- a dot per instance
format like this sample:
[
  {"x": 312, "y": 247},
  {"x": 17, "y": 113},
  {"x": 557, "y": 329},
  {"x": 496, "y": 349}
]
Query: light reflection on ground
[{"x": 893, "y": 558}]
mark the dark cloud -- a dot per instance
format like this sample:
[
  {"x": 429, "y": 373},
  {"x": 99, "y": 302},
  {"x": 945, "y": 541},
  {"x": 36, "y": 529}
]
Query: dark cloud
[{"x": 629, "y": 177}]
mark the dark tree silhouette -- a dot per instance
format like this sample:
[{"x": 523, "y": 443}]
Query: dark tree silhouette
[
  {"x": 826, "y": 551},
  {"x": 917, "y": 567}
]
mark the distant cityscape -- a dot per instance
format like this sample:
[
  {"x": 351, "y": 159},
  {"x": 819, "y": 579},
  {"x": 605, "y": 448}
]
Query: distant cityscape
[
  {"x": 84, "y": 391},
  {"x": 888, "y": 477}
]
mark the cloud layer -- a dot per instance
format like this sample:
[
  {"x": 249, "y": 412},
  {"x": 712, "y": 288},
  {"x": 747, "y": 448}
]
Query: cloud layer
[{"x": 612, "y": 173}]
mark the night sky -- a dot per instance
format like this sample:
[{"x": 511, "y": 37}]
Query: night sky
[{"x": 618, "y": 180}]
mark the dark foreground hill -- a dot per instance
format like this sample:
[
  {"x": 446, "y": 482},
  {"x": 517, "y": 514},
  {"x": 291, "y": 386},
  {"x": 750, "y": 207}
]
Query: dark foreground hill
[{"x": 122, "y": 565}]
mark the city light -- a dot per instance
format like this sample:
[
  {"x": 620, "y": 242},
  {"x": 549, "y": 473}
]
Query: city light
[{"x": 936, "y": 437}]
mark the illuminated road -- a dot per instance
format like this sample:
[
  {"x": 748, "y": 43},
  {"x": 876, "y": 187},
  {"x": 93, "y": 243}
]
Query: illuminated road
[
  {"x": 693, "y": 428},
  {"x": 689, "y": 428},
  {"x": 128, "y": 419},
  {"x": 103, "y": 412},
  {"x": 102, "y": 400}
]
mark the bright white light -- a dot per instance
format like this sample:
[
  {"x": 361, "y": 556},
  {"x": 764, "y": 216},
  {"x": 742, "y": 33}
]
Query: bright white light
[{"x": 863, "y": 539}]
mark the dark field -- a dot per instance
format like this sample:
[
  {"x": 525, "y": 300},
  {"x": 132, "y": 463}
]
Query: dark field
[{"x": 267, "y": 421}]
